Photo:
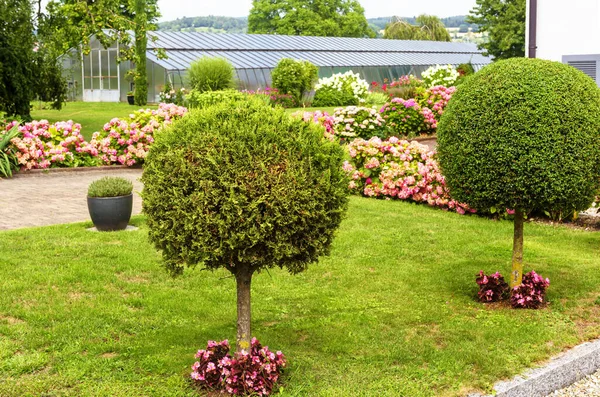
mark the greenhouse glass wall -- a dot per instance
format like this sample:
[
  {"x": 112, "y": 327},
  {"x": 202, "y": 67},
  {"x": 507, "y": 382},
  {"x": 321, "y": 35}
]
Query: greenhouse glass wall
[{"x": 98, "y": 77}]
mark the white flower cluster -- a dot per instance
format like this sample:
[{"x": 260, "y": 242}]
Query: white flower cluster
[
  {"x": 341, "y": 81},
  {"x": 445, "y": 75}
]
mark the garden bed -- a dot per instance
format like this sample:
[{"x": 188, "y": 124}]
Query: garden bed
[{"x": 391, "y": 312}]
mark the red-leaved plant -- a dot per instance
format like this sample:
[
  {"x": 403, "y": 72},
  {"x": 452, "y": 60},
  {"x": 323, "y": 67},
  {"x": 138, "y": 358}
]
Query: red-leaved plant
[
  {"x": 531, "y": 293},
  {"x": 492, "y": 288},
  {"x": 247, "y": 373}
]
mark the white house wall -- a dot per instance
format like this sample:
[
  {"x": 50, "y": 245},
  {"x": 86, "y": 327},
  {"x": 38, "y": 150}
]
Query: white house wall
[{"x": 566, "y": 28}]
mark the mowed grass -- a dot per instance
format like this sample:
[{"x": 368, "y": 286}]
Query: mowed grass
[
  {"x": 91, "y": 115},
  {"x": 392, "y": 311}
]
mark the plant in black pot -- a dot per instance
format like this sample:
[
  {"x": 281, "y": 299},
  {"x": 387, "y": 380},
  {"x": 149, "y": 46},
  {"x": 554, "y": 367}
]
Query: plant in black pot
[
  {"x": 130, "y": 97},
  {"x": 110, "y": 202}
]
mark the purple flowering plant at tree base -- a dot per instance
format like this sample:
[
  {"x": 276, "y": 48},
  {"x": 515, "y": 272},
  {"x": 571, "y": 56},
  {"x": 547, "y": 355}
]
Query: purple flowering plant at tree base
[
  {"x": 531, "y": 294},
  {"x": 492, "y": 288},
  {"x": 247, "y": 373}
]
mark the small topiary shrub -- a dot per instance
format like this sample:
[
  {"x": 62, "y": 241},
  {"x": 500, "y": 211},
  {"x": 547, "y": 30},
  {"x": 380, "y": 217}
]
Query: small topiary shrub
[
  {"x": 531, "y": 294},
  {"x": 247, "y": 373},
  {"x": 211, "y": 74},
  {"x": 245, "y": 187},
  {"x": 492, "y": 288},
  {"x": 294, "y": 77},
  {"x": 110, "y": 186},
  {"x": 522, "y": 134}
]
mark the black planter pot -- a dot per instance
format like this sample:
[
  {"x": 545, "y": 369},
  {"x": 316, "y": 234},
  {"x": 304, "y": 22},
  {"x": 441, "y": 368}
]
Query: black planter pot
[
  {"x": 110, "y": 213},
  {"x": 130, "y": 99}
]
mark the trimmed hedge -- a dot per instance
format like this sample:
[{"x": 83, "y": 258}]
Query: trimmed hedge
[{"x": 523, "y": 133}]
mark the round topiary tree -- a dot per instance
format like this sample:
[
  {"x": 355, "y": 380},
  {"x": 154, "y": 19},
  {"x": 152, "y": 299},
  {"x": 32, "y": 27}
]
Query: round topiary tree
[
  {"x": 246, "y": 187},
  {"x": 522, "y": 134}
]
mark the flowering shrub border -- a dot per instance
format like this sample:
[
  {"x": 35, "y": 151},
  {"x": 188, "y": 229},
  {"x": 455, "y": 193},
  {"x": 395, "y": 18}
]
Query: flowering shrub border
[{"x": 247, "y": 373}]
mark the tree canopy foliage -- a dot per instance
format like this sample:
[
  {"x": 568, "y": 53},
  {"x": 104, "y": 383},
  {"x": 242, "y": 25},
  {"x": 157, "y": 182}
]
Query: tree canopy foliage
[
  {"x": 505, "y": 22},
  {"x": 427, "y": 27},
  {"x": 334, "y": 18}
]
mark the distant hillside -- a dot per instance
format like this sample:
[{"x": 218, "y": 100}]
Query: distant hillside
[{"x": 240, "y": 25}]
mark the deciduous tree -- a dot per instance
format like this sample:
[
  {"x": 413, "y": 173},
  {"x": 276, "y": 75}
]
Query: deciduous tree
[
  {"x": 336, "y": 18},
  {"x": 428, "y": 27}
]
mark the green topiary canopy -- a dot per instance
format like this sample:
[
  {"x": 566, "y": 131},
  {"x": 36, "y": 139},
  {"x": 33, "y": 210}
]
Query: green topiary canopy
[
  {"x": 243, "y": 186},
  {"x": 523, "y": 133}
]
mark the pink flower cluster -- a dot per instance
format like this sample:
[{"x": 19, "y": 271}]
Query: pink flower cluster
[
  {"x": 531, "y": 293},
  {"x": 436, "y": 98},
  {"x": 248, "y": 373},
  {"x": 128, "y": 141},
  {"x": 492, "y": 288},
  {"x": 44, "y": 145},
  {"x": 400, "y": 169},
  {"x": 321, "y": 118}
]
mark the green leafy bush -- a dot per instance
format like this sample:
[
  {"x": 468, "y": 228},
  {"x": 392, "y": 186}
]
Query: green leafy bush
[
  {"x": 329, "y": 96},
  {"x": 376, "y": 99},
  {"x": 8, "y": 158},
  {"x": 211, "y": 74},
  {"x": 294, "y": 77},
  {"x": 341, "y": 89},
  {"x": 523, "y": 134},
  {"x": 110, "y": 187},
  {"x": 199, "y": 100},
  {"x": 246, "y": 187}
]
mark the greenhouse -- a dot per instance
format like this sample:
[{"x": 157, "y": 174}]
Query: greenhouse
[{"x": 101, "y": 78}]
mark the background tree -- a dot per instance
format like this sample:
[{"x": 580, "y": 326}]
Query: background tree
[
  {"x": 428, "y": 27},
  {"x": 17, "y": 58},
  {"x": 522, "y": 134},
  {"x": 294, "y": 77},
  {"x": 335, "y": 18},
  {"x": 244, "y": 187},
  {"x": 505, "y": 22}
]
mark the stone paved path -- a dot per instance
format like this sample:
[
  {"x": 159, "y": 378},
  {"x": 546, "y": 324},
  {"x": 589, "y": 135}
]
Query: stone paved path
[{"x": 55, "y": 197}]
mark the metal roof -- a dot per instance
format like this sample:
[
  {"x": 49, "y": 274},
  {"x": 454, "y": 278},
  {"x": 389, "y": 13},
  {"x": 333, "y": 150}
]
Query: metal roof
[{"x": 253, "y": 51}]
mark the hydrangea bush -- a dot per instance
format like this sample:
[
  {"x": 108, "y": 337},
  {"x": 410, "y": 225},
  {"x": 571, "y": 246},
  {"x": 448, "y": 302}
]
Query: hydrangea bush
[
  {"x": 436, "y": 99},
  {"x": 400, "y": 169},
  {"x": 341, "y": 89},
  {"x": 254, "y": 372},
  {"x": 531, "y": 293},
  {"x": 492, "y": 288},
  {"x": 320, "y": 118},
  {"x": 42, "y": 145},
  {"x": 405, "y": 117},
  {"x": 358, "y": 122},
  {"x": 445, "y": 75}
]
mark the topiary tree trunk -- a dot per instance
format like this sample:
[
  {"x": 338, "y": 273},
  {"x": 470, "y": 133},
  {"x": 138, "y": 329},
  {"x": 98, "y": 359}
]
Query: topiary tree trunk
[
  {"x": 517, "y": 259},
  {"x": 243, "y": 278},
  {"x": 141, "y": 43}
]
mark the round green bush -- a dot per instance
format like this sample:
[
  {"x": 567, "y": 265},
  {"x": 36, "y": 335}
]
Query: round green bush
[
  {"x": 243, "y": 186},
  {"x": 211, "y": 74},
  {"x": 523, "y": 134},
  {"x": 294, "y": 77},
  {"x": 110, "y": 186}
]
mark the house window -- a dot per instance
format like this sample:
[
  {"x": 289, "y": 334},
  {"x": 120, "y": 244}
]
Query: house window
[{"x": 588, "y": 64}]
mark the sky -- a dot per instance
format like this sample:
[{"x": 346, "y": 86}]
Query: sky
[{"x": 173, "y": 9}]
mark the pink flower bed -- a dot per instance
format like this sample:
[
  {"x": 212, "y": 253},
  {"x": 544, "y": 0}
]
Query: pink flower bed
[
  {"x": 44, "y": 145},
  {"x": 248, "y": 373},
  {"x": 399, "y": 169}
]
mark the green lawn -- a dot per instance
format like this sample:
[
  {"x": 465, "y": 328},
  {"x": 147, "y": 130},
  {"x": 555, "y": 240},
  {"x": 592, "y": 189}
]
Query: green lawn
[
  {"x": 390, "y": 313},
  {"x": 91, "y": 115}
]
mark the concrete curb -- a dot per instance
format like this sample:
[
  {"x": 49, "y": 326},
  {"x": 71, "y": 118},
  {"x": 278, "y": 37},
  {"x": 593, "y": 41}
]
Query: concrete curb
[{"x": 562, "y": 371}]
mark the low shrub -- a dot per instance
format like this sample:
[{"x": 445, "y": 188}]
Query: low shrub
[
  {"x": 200, "y": 100},
  {"x": 376, "y": 99},
  {"x": 40, "y": 144},
  {"x": 294, "y": 77},
  {"x": 171, "y": 95},
  {"x": 407, "y": 118},
  {"x": 492, "y": 288},
  {"x": 110, "y": 186},
  {"x": 405, "y": 87},
  {"x": 211, "y": 74},
  {"x": 445, "y": 75},
  {"x": 531, "y": 293},
  {"x": 321, "y": 118},
  {"x": 398, "y": 169},
  {"x": 341, "y": 89},
  {"x": 127, "y": 141},
  {"x": 358, "y": 122},
  {"x": 248, "y": 373}
]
